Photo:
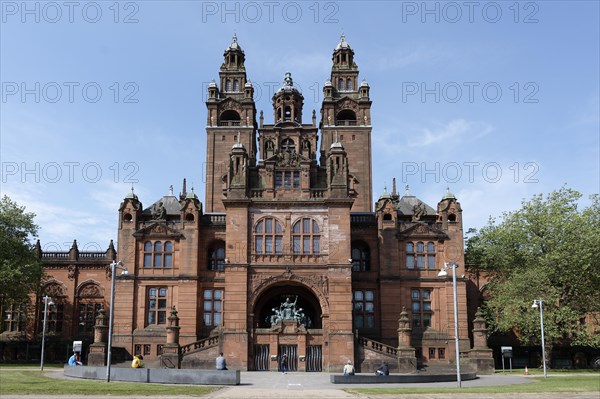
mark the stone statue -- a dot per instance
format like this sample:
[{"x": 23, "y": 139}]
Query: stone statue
[
  {"x": 419, "y": 210},
  {"x": 288, "y": 311},
  {"x": 159, "y": 212}
]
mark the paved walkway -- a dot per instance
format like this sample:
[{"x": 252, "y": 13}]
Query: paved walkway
[{"x": 295, "y": 385}]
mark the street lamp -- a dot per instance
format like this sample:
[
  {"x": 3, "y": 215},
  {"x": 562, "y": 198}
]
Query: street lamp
[
  {"x": 47, "y": 302},
  {"x": 535, "y": 306},
  {"x": 113, "y": 266},
  {"x": 444, "y": 273}
]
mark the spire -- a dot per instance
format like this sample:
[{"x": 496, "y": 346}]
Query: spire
[
  {"x": 131, "y": 195},
  {"x": 407, "y": 191},
  {"x": 171, "y": 190},
  {"x": 394, "y": 186}
]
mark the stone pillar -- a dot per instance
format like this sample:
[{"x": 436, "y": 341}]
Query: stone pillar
[
  {"x": 97, "y": 354},
  {"x": 481, "y": 357},
  {"x": 407, "y": 361},
  {"x": 171, "y": 357}
]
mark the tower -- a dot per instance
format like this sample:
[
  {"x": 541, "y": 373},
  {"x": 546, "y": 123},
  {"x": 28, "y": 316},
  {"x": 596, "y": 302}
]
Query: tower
[
  {"x": 231, "y": 112},
  {"x": 346, "y": 114}
]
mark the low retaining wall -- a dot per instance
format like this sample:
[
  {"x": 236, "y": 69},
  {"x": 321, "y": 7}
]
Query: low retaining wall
[
  {"x": 398, "y": 378},
  {"x": 158, "y": 376}
]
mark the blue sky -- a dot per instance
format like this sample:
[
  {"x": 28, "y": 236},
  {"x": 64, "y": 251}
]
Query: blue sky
[{"x": 495, "y": 100}]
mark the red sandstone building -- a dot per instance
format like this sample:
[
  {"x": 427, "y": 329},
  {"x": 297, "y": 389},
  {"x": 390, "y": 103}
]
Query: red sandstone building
[{"x": 285, "y": 255}]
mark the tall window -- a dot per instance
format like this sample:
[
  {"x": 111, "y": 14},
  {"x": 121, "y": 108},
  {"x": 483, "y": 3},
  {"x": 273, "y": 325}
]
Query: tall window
[
  {"x": 216, "y": 257},
  {"x": 156, "y": 305},
  {"x": 90, "y": 301},
  {"x": 361, "y": 261},
  {"x": 364, "y": 309},
  {"x": 15, "y": 316},
  {"x": 268, "y": 236},
  {"x": 423, "y": 257},
  {"x": 213, "y": 307},
  {"x": 158, "y": 254},
  {"x": 55, "y": 317},
  {"x": 287, "y": 179},
  {"x": 421, "y": 307},
  {"x": 306, "y": 238},
  {"x": 236, "y": 85}
]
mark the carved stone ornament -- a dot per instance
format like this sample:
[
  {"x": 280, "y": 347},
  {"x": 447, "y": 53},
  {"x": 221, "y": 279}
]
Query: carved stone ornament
[
  {"x": 90, "y": 291},
  {"x": 72, "y": 272}
]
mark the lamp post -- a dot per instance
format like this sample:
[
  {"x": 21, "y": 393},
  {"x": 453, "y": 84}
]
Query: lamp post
[
  {"x": 113, "y": 266},
  {"x": 444, "y": 273},
  {"x": 535, "y": 306},
  {"x": 47, "y": 302}
]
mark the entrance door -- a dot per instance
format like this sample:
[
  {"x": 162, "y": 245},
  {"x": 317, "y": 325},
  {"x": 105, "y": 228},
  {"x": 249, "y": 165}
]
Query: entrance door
[
  {"x": 292, "y": 354},
  {"x": 314, "y": 358},
  {"x": 261, "y": 357}
]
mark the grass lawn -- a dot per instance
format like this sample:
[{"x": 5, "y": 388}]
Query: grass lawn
[
  {"x": 563, "y": 383},
  {"x": 30, "y": 382}
]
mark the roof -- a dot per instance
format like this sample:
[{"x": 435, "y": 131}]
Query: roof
[
  {"x": 343, "y": 43},
  {"x": 170, "y": 202},
  {"x": 408, "y": 204}
]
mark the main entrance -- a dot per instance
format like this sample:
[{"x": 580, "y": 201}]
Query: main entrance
[{"x": 287, "y": 321}]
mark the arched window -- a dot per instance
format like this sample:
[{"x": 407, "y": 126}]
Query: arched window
[
  {"x": 306, "y": 237},
  {"x": 227, "y": 84},
  {"x": 54, "y": 318},
  {"x": 236, "y": 85},
  {"x": 431, "y": 256},
  {"x": 90, "y": 301},
  {"x": 230, "y": 115},
  {"x": 268, "y": 236},
  {"x": 361, "y": 258},
  {"x": 158, "y": 254},
  {"x": 346, "y": 115},
  {"x": 216, "y": 256},
  {"x": 340, "y": 84},
  {"x": 349, "y": 85},
  {"x": 288, "y": 145},
  {"x": 420, "y": 255}
]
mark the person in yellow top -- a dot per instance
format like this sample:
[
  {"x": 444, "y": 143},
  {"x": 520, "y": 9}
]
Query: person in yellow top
[{"x": 137, "y": 362}]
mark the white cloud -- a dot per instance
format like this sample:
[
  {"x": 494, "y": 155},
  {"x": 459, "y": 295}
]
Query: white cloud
[{"x": 453, "y": 131}]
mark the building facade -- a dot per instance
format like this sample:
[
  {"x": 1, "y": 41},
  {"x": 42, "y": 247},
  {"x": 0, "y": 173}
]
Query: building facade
[{"x": 285, "y": 256}]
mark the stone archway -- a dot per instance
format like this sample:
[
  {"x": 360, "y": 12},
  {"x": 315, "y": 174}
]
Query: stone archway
[{"x": 301, "y": 338}]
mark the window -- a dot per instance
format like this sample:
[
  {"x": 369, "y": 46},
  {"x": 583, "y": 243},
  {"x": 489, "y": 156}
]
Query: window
[
  {"x": 156, "y": 306},
  {"x": 349, "y": 84},
  {"x": 424, "y": 257},
  {"x": 213, "y": 307},
  {"x": 228, "y": 85},
  {"x": 361, "y": 258},
  {"x": 268, "y": 236},
  {"x": 288, "y": 145},
  {"x": 55, "y": 317},
  {"x": 340, "y": 84},
  {"x": 289, "y": 179},
  {"x": 410, "y": 255},
  {"x": 364, "y": 309},
  {"x": 87, "y": 316},
  {"x": 441, "y": 353},
  {"x": 90, "y": 301},
  {"x": 158, "y": 254},
  {"x": 421, "y": 307},
  {"x": 306, "y": 238},
  {"x": 216, "y": 257},
  {"x": 432, "y": 352},
  {"x": 15, "y": 317},
  {"x": 236, "y": 85}
]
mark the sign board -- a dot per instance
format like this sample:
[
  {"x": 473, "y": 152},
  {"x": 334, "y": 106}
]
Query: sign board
[
  {"x": 506, "y": 351},
  {"x": 77, "y": 346}
]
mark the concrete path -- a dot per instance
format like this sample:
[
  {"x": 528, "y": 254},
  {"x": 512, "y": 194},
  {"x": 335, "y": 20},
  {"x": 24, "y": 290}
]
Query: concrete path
[{"x": 273, "y": 385}]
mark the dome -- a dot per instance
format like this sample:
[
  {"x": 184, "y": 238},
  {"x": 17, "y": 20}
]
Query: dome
[
  {"x": 248, "y": 84},
  {"x": 288, "y": 84},
  {"x": 343, "y": 44},
  {"x": 385, "y": 194},
  {"x": 234, "y": 44},
  {"x": 212, "y": 84},
  {"x": 191, "y": 195},
  {"x": 328, "y": 83},
  {"x": 337, "y": 144},
  {"x": 448, "y": 195},
  {"x": 364, "y": 83},
  {"x": 131, "y": 195}
]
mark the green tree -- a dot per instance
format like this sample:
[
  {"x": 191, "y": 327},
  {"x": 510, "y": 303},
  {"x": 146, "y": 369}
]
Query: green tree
[
  {"x": 546, "y": 250},
  {"x": 20, "y": 268}
]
